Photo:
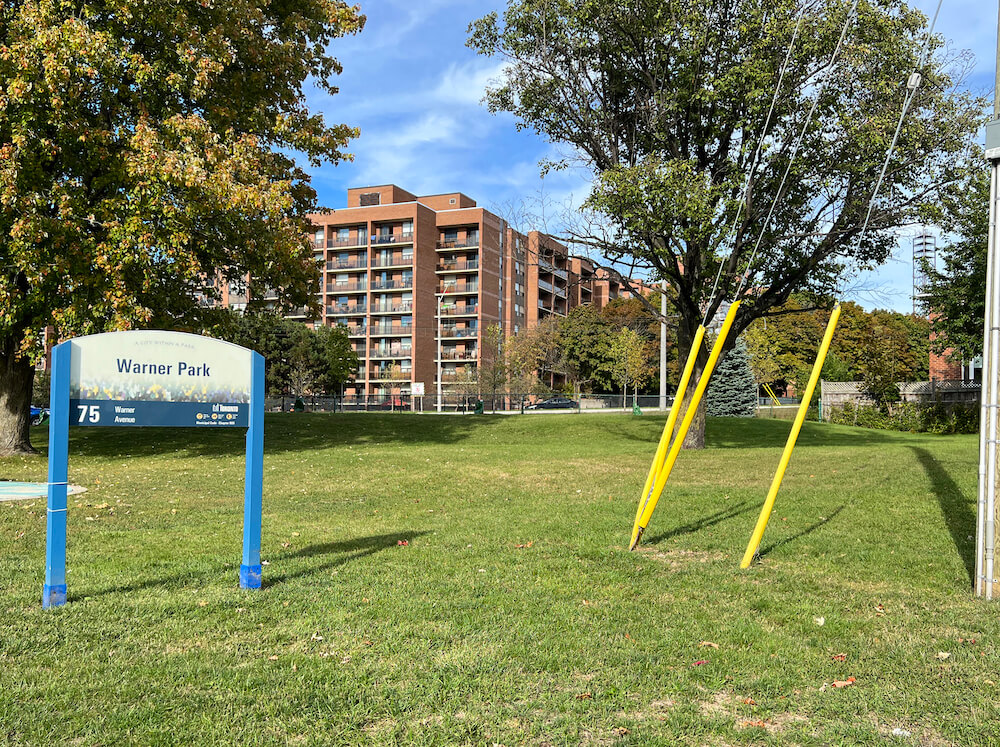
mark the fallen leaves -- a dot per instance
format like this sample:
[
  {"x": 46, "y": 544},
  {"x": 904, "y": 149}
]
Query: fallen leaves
[
  {"x": 821, "y": 621},
  {"x": 839, "y": 657},
  {"x": 403, "y": 543},
  {"x": 700, "y": 663},
  {"x": 838, "y": 684},
  {"x": 751, "y": 724},
  {"x": 943, "y": 655},
  {"x": 524, "y": 546},
  {"x": 585, "y": 696},
  {"x": 879, "y": 610},
  {"x": 708, "y": 644}
]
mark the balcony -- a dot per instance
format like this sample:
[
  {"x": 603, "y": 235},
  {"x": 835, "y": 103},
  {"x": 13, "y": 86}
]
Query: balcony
[
  {"x": 396, "y": 260},
  {"x": 460, "y": 265},
  {"x": 392, "y": 238},
  {"x": 403, "y": 284},
  {"x": 547, "y": 287},
  {"x": 458, "y": 332},
  {"x": 546, "y": 266},
  {"x": 469, "y": 356},
  {"x": 396, "y": 353},
  {"x": 449, "y": 288},
  {"x": 389, "y": 374},
  {"x": 354, "y": 263},
  {"x": 390, "y": 330},
  {"x": 299, "y": 313},
  {"x": 471, "y": 310},
  {"x": 392, "y": 308},
  {"x": 470, "y": 243},
  {"x": 351, "y": 241},
  {"x": 356, "y": 330},
  {"x": 346, "y": 287},
  {"x": 346, "y": 308}
]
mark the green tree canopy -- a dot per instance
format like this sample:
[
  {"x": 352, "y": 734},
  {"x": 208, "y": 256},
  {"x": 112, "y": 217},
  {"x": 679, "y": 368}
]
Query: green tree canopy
[
  {"x": 956, "y": 294},
  {"x": 298, "y": 360},
  {"x": 144, "y": 156},
  {"x": 665, "y": 102}
]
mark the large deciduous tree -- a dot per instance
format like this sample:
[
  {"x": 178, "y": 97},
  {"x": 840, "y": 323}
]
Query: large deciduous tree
[
  {"x": 665, "y": 101},
  {"x": 144, "y": 157}
]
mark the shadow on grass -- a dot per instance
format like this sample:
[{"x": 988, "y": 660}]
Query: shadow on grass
[
  {"x": 283, "y": 432},
  {"x": 754, "y": 433},
  {"x": 724, "y": 514},
  {"x": 343, "y": 552},
  {"x": 799, "y": 535},
  {"x": 956, "y": 509}
]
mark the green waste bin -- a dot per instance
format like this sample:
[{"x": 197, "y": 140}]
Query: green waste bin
[
  {"x": 636, "y": 410},
  {"x": 479, "y": 407},
  {"x": 300, "y": 404}
]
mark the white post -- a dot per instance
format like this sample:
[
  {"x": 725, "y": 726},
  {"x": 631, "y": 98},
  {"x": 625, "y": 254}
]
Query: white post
[
  {"x": 663, "y": 346},
  {"x": 990, "y": 393},
  {"x": 439, "y": 298}
]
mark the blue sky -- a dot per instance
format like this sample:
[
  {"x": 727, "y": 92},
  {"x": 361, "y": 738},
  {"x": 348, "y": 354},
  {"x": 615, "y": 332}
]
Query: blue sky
[{"x": 414, "y": 88}]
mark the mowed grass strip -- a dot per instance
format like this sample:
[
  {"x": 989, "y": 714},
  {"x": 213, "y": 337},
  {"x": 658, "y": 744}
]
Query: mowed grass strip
[{"x": 513, "y": 613}]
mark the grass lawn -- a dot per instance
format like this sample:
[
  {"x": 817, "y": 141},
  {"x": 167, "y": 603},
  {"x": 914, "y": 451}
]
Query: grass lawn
[{"x": 515, "y": 614}]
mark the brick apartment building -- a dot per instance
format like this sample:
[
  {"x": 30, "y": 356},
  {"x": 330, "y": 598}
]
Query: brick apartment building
[{"x": 409, "y": 276}]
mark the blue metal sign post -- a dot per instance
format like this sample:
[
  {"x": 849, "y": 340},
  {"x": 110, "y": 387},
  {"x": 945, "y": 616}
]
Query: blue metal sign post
[{"x": 94, "y": 406}]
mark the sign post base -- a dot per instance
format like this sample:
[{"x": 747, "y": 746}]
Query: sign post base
[
  {"x": 250, "y": 576},
  {"x": 53, "y": 596}
]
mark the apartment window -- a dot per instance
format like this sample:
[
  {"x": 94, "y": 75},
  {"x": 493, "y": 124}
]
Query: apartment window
[
  {"x": 385, "y": 230},
  {"x": 370, "y": 198},
  {"x": 407, "y": 255},
  {"x": 407, "y": 227},
  {"x": 406, "y": 321},
  {"x": 451, "y": 235},
  {"x": 472, "y": 235},
  {"x": 343, "y": 234}
]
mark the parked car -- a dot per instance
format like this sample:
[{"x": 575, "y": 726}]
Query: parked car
[
  {"x": 39, "y": 415},
  {"x": 553, "y": 403}
]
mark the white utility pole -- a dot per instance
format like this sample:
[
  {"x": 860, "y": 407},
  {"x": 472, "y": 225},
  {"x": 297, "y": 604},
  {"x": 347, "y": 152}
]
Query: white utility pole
[
  {"x": 986, "y": 520},
  {"x": 663, "y": 346}
]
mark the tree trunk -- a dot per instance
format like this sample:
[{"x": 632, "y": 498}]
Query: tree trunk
[
  {"x": 16, "y": 378},
  {"x": 695, "y": 438}
]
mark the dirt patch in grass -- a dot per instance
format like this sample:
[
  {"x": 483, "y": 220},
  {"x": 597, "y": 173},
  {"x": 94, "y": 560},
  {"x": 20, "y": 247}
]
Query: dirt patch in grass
[{"x": 680, "y": 558}]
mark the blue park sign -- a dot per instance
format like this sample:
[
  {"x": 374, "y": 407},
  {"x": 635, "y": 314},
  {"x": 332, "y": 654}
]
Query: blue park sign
[{"x": 152, "y": 378}]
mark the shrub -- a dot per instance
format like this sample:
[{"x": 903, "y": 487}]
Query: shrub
[{"x": 911, "y": 416}]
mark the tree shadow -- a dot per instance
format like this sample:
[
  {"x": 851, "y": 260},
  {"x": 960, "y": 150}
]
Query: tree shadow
[
  {"x": 724, "y": 514},
  {"x": 345, "y": 550},
  {"x": 285, "y": 432},
  {"x": 955, "y": 508},
  {"x": 754, "y": 433},
  {"x": 808, "y": 530}
]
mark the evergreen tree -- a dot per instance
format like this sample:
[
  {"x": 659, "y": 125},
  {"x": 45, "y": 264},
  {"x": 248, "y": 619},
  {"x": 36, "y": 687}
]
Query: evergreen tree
[{"x": 733, "y": 390}]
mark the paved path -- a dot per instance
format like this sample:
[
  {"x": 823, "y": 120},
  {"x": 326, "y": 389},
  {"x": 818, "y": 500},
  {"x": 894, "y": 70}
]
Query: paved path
[{"x": 26, "y": 491}]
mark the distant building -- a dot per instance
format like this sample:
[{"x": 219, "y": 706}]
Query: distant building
[{"x": 407, "y": 273}]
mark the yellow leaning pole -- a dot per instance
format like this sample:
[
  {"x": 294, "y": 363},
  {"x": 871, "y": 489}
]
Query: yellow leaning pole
[
  {"x": 692, "y": 410},
  {"x": 668, "y": 429},
  {"x": 772, "y": 494}
]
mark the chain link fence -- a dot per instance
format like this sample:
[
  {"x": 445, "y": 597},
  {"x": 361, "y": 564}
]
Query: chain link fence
[{"x": 501, "y": 403}]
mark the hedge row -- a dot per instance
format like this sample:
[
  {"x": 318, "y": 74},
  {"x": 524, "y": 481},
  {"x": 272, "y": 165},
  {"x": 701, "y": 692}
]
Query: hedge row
[{"x": 911, "y": 416}]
